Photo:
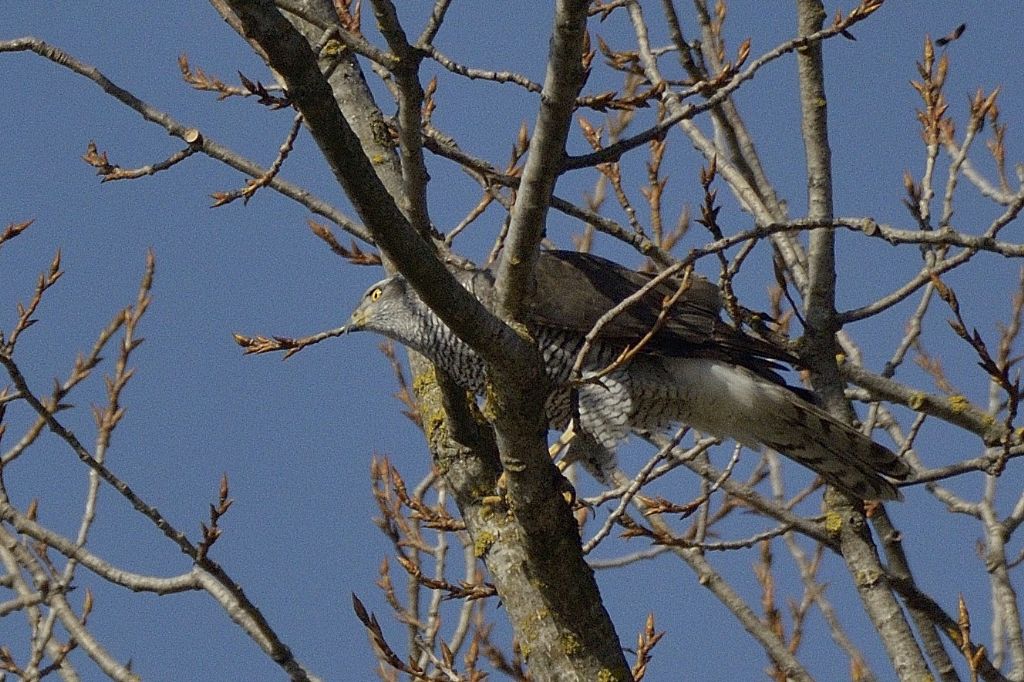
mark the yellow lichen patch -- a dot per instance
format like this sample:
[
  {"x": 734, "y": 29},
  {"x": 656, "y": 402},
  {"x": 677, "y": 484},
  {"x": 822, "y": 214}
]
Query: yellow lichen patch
[
  {"x": 483, "y": 542},
  {"x": 432, "y": 422},
  {"x": 332, "y": 48},
  {"x": 867, "y": 578},
  {"x": 490, "y": 401},
  {"x": 488, "y": 505},
  {"x": 424, "y": 380},
  {"x": 959, "y": 403},
  {"x": 917, "y": 401},
  {"x": 530, "y": 630},
  {"x": 840, "y": 358},
  {"x": 833, "y": 522},
  {"x": 571, "y": 644},
  {"x": 520, "y": 329},
  {"x": 605, "y": 675}
]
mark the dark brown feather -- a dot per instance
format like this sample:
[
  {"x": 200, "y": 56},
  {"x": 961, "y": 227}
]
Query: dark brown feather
[{"x": 575, "y": 289}]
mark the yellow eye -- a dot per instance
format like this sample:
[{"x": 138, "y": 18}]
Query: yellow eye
[{"x": 376, "y": 293}]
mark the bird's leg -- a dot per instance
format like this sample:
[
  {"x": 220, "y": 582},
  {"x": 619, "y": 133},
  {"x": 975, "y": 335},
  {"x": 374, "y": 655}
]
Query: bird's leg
[
  {"x": 560, "y": 445},
  {"x": 556, "y": 448},
  {"x": 498, "y": 498}
]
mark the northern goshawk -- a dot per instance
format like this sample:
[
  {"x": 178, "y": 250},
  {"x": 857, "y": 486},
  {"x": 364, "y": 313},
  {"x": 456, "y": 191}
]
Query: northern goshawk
[{"x": 695, "y": 369}]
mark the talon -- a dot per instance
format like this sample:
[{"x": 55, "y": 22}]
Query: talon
[
  {"x": 560, "y": 445},
  {"x": 568, "y": 492},
  {"x": 718, "y": 378},
  {"x": 498, "y": 498}
]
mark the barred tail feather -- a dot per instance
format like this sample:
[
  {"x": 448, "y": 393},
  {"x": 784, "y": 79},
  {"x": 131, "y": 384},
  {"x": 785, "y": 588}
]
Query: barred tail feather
[
  {"x": 730, "y": 401},
  {"x": 845, "y": 457}
]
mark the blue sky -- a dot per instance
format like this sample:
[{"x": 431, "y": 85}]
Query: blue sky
[{"x": 296, "y": 437}]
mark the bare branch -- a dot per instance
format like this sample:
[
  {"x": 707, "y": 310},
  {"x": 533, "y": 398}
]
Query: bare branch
[
  {"x": 187, "y": 134},
  {"x": 565, "y": 76}
]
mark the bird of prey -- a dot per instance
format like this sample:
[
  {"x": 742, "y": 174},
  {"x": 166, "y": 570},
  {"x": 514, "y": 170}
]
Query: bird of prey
[{"x": 695, "y": 369}]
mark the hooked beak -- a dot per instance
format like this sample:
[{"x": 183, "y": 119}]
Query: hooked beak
[{"x": 355, "y": 322}]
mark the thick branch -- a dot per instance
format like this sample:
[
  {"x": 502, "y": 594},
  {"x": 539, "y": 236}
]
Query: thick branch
[
  {"x": 290, "y": 55},
  {"x": 565, "y": 75},
  {"x": 819, "y": 307},
  {"x": 821, "y": 351},
  {"x": 410, "y": 105},
  {"x": 551, "y": 539},
  {"x": 190, "y": 135}
]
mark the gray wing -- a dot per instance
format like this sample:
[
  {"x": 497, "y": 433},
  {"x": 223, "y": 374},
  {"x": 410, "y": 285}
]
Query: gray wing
[{"x": 575, "y": 289}]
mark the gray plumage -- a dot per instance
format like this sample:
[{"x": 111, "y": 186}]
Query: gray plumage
[{"x": 696, "y": 370}]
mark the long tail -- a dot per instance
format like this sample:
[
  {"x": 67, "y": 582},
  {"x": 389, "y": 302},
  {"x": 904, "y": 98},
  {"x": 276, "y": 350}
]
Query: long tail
[
  {"x": 731, "y": 401},
  {"x": 845, "y": 457}
]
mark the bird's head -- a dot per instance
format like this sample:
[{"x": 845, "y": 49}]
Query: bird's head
[{"x": 389, "y": 307}]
